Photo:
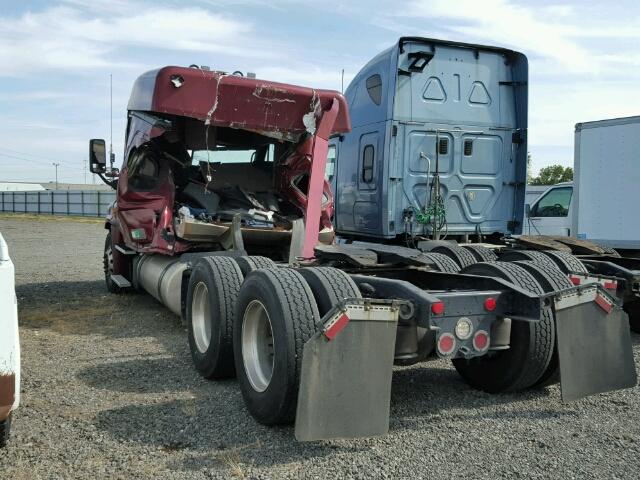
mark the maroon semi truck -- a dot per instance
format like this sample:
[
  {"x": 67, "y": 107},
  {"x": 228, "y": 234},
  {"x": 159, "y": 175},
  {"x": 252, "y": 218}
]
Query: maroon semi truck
[{"x": 223, "y": 214}]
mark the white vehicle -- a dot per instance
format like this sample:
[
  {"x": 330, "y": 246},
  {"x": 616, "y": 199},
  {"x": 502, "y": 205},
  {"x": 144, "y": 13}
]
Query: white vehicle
[
  {"x": 9, "y": 344},
  {"x": 551, "y": 212},
  {"x": 599, "y": 204}
]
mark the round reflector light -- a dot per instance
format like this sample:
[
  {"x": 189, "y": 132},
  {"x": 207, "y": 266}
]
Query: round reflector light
[
  {"x": 490, "y": 304},
  {"x": 437, "y": 308},
  {"x": 446, "y": 344},
  {"x": 481, "y": 341},
  {"x": 464, "y": 328}
]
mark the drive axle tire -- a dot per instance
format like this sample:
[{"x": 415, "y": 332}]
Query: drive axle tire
[
  {"x": 210, "y": 312},
  {"x": 329, "y": 286},
  {"x": 551, "y": 280},
  {"x": 531, "y": 343},
  {"x": 461, "y": 256},
  {"x": 480, "y": 253},
  {"x": 249, "y": 264},
  {"x": 276, "y": 314},
  {"x": 527, "y": 255},
  {"x": 565, "y": 261},
  {"x": 442, "y": 262},
  {"x": 612, "y": 252}
]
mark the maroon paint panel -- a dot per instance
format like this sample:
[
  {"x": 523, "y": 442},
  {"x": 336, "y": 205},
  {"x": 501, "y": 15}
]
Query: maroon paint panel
[{"x": 233, "y": 101}]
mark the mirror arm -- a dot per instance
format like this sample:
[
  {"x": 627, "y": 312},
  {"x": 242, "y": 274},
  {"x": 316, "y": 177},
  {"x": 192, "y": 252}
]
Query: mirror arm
[{"x": 112, "y": 183}]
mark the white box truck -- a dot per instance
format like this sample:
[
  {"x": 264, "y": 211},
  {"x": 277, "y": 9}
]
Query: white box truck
[
  {"x": 599, "y": 205},
  {"x": 9, "y": 344}
]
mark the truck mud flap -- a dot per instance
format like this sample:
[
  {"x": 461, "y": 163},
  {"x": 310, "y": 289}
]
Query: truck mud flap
[
  {"x": 345, "y": 387},
  {"x": 594, "y": 343}
]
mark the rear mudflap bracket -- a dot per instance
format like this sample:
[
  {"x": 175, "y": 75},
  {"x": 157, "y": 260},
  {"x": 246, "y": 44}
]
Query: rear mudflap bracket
[
  {"x": 359, "y": 310},
  {"x": 590, "y": 292},
  {"x": 607, "y": 282}
]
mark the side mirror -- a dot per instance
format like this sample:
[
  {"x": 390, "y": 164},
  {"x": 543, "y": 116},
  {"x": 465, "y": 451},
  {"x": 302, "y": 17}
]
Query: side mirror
[
  {"x": 97, "y": 156},
  {"x": 527, "y": 210}
]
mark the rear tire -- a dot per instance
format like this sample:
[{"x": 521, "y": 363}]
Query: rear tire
[
  {"x": 211, "y": 299},
  {"x": 276, "y": 315},
  {"x": 249, "y": 264},
  {"x": 480, "y": 253},
  {"x": 527, "y": 255},
  {"x": 551, "y": 280},
  {"x": 461, "y": 256},
  {"x": 5, "y": 431},
  {"x": 329, "y": 286},
  {"x": 442, "y": 262},
  {"x": 531, "y": 343},
  {"x": 565, "y": 261},
  {"x": 609, "y": 251}
]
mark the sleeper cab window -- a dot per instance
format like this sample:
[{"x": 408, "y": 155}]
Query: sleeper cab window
[
  {"x": 367, "y": 163},
  {"x": 330, "y": 169},
  {"x": 374, "y": 87}
]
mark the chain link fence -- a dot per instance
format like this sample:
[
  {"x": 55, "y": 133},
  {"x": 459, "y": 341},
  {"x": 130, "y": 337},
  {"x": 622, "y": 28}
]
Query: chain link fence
[{"x": 89, "y": 203}]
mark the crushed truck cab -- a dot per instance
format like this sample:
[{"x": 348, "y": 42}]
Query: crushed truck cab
[{"x": 223, "y": 213}]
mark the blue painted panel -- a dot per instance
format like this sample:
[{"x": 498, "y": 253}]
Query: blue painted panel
[{"x": 464, "y": 93}]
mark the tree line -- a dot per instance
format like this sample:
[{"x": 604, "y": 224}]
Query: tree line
[{"x": 549, "y": 175}]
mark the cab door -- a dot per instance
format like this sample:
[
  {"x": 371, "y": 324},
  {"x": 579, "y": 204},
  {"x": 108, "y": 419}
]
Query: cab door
[
  {"x": 551, "y": 213},
  {"x": 145, "y": 192}
]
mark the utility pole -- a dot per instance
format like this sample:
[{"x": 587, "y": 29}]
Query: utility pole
[
  {"x": 84, "y": 169},
  {"x": 56, "y": 165},
  {"x": 111, "y": 155}
]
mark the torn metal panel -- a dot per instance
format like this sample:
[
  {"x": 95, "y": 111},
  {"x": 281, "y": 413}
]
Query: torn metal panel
[{"x": 254, "y": 104}]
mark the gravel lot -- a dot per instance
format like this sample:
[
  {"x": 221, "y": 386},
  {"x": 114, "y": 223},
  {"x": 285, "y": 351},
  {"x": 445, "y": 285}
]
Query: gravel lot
[{"x": 109, "y": 391}]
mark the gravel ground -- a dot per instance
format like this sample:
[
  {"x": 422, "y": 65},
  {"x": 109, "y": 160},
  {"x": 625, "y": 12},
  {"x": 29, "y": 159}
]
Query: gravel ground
[{"x": 109, "y": 391}]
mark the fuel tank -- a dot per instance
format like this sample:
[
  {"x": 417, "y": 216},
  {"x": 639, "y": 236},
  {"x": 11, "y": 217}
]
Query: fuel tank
[{"x": 161, "y": 277}]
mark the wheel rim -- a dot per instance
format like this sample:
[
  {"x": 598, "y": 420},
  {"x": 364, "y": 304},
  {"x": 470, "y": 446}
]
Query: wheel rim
[
  {"x": 109, "y": 256},
  {"x": 201, "y": 317},
  {"x": 257, "y": 345}
]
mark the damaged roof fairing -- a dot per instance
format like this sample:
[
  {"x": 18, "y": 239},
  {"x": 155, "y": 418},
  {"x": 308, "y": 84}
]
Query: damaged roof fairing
[{"x": 236, "y": 102}]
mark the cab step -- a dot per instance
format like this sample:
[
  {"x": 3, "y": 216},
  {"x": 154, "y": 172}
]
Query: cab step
[{"x": 120, "y": 281}]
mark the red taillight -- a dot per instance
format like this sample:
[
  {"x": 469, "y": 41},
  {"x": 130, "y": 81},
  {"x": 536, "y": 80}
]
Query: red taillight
[
  {"x": 437, "y": 308},
  {"x": 481, "y": 341},
  {"x": 611, "y": 285},
  {"x": 446, "y": 344},
  {"x": 490, "y": 304},
  {"x": 575, "y": 280}
]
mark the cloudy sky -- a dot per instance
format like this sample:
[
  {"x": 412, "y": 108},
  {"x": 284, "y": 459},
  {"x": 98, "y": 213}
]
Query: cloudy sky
[{"x": 56, "y": 58}]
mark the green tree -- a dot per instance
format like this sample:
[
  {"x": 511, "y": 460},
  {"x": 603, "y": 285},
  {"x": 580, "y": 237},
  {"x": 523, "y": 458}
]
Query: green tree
[{"x": 552, "y": 174}]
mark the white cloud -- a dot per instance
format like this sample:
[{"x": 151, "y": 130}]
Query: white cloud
[
  {"x": 503, "y": 23},
  {"x": 68, "y": 37}
]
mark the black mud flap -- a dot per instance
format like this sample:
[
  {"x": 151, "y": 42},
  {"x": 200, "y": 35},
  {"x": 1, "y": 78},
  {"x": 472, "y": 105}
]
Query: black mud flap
[
  {"x": 345, "y": 387},
  {"x": 594, "y": 345}
]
